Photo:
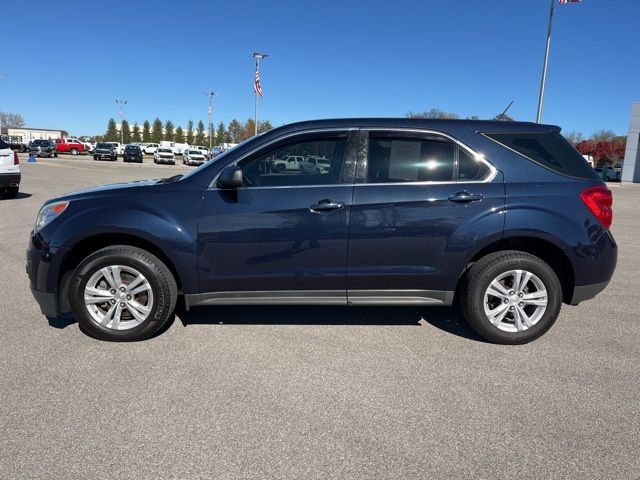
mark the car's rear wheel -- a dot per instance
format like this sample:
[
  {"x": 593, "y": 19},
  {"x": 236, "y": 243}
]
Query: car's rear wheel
[
  {"x": 9, "y": 192},
  {"x": 73, "y": 151},
  {"x": 122, "y": 293},
  {"x": 511, "y": 297}
]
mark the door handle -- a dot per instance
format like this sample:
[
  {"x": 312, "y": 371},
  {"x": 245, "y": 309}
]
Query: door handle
[
  {"x": 465, "y": 197},
  {"x": 326, "y": 205}
]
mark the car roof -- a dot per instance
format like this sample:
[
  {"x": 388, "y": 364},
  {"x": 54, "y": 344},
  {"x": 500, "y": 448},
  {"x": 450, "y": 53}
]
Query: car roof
[{"x": 484, "y": 126}]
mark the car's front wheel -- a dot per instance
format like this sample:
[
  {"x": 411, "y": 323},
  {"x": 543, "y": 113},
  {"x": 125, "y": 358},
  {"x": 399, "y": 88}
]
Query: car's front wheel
[
  {"x": 122, "y": 293},
  {"x": 511, "y": 297}
]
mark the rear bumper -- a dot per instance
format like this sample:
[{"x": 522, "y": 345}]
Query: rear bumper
[
  {"x": 10, "y": 179},
  {"x": 586, "y": 292},
  {"x": 597, "y": 263}
]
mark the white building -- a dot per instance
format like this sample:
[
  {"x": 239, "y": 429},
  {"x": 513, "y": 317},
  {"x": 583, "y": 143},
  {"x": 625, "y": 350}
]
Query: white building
[
  {"x": 30, "y": 134},
  {"x": 631, "y": 165}
]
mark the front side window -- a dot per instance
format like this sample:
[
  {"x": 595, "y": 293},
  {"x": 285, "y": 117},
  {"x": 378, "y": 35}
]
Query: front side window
[{"x": 288, "y": 165}]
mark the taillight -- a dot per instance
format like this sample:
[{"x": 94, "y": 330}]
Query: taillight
[
  {"x": 16, "y": 160},
  {"x": 599, "y": 200}
]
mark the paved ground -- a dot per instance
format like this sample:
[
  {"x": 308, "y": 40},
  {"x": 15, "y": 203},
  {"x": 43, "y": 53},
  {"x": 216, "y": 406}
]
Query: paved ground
[{"x": 313, "y": 392}]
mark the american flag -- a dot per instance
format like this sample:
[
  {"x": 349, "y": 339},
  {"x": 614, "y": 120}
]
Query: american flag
[
  {"x": 257, "y": 88},
  {"x": 562, "y": 2}
]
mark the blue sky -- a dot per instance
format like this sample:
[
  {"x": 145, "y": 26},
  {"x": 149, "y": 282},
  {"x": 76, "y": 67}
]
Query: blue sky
[{"x": 327, "y": 59}]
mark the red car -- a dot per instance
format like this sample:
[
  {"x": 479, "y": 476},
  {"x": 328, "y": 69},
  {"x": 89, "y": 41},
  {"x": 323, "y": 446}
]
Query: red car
[{"x": 69, "y": 145}]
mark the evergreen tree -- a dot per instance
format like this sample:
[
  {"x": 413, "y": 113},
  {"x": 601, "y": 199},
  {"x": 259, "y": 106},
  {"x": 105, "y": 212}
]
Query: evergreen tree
[
  {"x": 156, "y": 131},
  {"x": 190, "y": 132},
  {"x": 126, "y": 132},
  {"x": 264, "y": 125},
  {"x": 146, "y": 131},
  {"x": 136, "y": 133},
  {"x": 199, "y": 140},
  {"x": 235, "y": 131},
  {"x": 220, "y": 134},
  {"x": 111, "y": 135},
  {"x": 168, "y": 131},
  {"x": 179, "y": 137}
]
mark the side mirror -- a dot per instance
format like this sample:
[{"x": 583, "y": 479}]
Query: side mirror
[{"x": 230, "y": 178}]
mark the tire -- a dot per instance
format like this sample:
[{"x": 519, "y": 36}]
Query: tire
[
  {"x": 95, "y": 157},
  {"x": 55, "y": 154},
  {"x": 475, "y": 298},
  {"x": 161, "y": 284},
  {"x": 73, "y": 151},
  {"x": 51, "y": 155},
  {"x": 155, "y": 161},
  {"x": 10, "y": 192}
]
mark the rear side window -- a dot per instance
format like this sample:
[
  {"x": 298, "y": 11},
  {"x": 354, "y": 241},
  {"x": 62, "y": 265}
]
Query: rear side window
[
  {"x": 393, "y": 160},
  {"x": 549, "y": 149},
  {"x": 3, "y": 145}
]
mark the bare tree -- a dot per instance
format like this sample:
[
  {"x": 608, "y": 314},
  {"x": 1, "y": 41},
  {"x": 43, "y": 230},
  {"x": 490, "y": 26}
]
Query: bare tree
[
  {"x": 434, "y": 113},
  {"x": 603, "y": 135},
  {"x": 11, "y": 120},
  {"x": 574, "y": 137}
]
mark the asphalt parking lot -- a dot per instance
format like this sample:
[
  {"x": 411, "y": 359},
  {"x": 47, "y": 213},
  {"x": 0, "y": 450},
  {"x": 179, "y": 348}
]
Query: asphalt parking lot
[{"x": 318, "y": 392}]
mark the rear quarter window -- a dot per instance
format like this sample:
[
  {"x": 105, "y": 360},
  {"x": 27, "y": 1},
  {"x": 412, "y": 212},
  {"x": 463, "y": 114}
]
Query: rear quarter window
[
  {"x": 549, "y": 149},
  {"x": 3, "y": 145}
]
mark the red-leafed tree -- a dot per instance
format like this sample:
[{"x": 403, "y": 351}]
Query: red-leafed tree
[{"x": 586, "y": 147}]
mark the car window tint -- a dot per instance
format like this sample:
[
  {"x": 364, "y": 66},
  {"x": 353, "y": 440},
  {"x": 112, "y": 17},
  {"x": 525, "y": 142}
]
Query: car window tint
[
  {"x": 469, "y": 169},
  {"x": 408, "y": 159},
  {"x": 290, "y": 165},
  {"x": 549, "y": 149}
]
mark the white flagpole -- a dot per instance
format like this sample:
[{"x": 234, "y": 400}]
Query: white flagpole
[{"x": 546, "y": 61}]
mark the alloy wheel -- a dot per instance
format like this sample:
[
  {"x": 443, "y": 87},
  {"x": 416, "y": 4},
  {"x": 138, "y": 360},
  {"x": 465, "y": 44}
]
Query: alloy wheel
[
  {"x": 118, "y": 297},
  {"x": 515, "y": 300}
]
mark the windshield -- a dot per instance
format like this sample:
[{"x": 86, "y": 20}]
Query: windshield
[
  {"x": 164, "y": 150},
  {"x": 195, "y": 152},
  {"x": 103, "y": 145},
  {"x": 131, "y": 147}
]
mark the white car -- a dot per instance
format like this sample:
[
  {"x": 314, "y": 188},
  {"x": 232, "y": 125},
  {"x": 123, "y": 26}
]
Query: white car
[
  {"x": 149, "y": 148},
  {"x": 291, "y": 163},
  {"x": 204, "y": 150},
  {"x": 315, "y": 165},
  {"x": 9, "y": 171},
  {"x": 119, "y": 147},
  {"x": 192, "y": 156},
  {"x": 164, "y": 155}
]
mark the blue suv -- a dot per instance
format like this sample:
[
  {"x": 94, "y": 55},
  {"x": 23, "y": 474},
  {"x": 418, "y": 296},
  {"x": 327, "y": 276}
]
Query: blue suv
[{"x": 504, "y": 217}]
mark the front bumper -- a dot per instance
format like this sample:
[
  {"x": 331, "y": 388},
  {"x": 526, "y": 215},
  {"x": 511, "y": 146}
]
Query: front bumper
[
  {"x": 10, "y": 179},
  {"x": 43, "y": 266}
]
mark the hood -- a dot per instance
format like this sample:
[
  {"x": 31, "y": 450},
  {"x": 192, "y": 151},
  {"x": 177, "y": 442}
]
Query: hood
[{"x": 105, "y": 190}]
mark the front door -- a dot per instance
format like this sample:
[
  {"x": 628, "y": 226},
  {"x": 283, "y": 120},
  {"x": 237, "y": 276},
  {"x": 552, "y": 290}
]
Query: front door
[
  {"x": 282, "y": 237},
  {"x": 421, "y": 203}
]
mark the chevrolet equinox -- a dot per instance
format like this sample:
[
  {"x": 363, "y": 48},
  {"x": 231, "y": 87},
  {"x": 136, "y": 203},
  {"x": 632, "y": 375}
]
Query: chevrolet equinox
[{"x": 505, "y": 218}]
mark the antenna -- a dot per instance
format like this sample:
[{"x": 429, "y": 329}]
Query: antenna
[{"x": 499, "y": 117}]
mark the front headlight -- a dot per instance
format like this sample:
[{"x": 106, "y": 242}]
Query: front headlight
[{"x": 48, "y": 213}]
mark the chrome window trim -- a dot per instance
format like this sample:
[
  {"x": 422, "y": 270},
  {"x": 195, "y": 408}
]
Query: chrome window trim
[
  {"x": 493, "y": 171},
  {"x": 348, "y": 130}
]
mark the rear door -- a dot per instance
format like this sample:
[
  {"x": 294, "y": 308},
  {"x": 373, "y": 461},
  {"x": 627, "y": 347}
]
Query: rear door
[{"x": 422, "y": 202}]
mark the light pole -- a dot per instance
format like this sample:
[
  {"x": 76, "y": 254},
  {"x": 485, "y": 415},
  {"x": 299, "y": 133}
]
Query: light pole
[
  {"x": 210, "y": 94},
  {"x": 2, "y": 77},
  {"x": 257, "y": 88},
  {"x": 122, "y": 103}
]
